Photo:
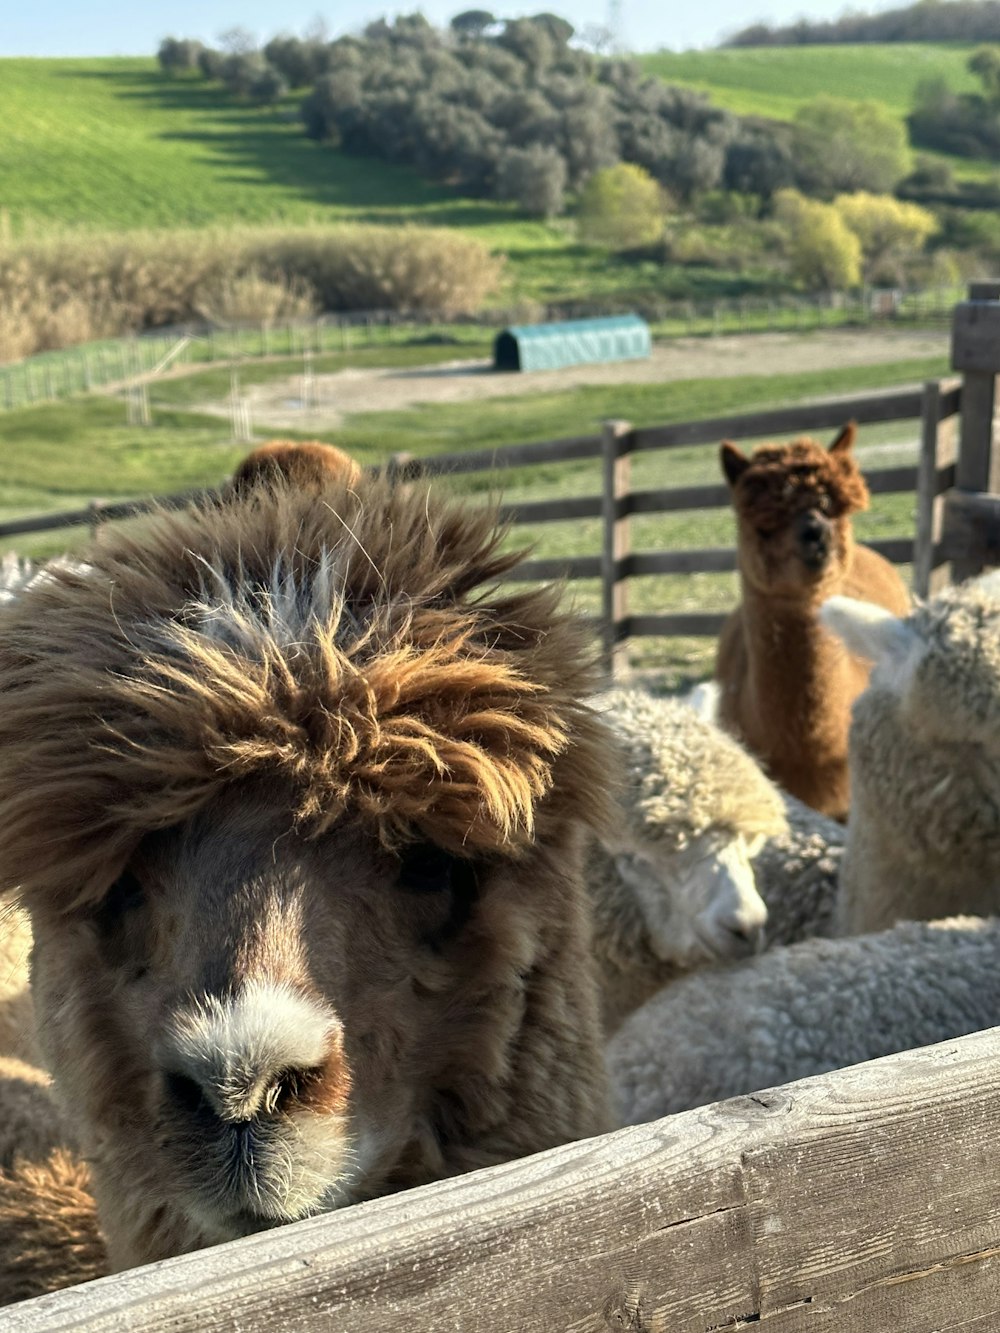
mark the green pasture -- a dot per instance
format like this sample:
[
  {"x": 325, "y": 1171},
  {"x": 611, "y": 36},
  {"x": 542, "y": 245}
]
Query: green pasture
[
  {"x": 61, "y": 455},
  {"x": 774, "y": 81},
  {"x": 115, "y": 144}
]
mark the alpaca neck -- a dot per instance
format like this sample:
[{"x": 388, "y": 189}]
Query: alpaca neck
[
  {"x": 888, "y": 876},
  {"x": 784, "y": 644}
]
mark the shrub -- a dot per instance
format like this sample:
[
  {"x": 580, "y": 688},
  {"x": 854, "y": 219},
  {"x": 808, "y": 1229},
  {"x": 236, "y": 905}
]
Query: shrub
[
  {"x": 74, "y": 288},
  {"x": 178, "y": 54},
  {"x": 622, "y": 207},
  {"x": 252, "y": 298},
  {"x": 843, "y": 145},
  {"x": 534, "y": 178},
  {"x": 889, "y": 230},
  {"x": 823, "y": 252}
]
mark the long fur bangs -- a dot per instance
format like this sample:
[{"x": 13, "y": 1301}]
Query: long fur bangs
[
  {"x": 353, "y": 643},
  {"x": 781, "y": 478}
]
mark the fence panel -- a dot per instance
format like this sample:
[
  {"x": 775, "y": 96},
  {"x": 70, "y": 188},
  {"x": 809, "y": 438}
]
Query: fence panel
[{"x": 808, "y": 1208}]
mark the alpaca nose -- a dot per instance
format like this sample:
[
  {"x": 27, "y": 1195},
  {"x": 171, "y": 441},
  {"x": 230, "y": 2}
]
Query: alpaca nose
[
  {"x": 747, "y": 936},
  {"x": 253, "y": 1054},
  {"x": 813, "y": 532},
  {"x": 237, "y": 1100}
]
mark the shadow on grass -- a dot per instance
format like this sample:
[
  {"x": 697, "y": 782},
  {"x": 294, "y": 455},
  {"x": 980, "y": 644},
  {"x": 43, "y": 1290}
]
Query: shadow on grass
[{"x": 255, "y": 142}]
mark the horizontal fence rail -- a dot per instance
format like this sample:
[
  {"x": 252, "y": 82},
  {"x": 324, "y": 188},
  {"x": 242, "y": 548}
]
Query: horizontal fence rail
[
  {"x": 812, "y": 1208},
  {"x": 616, "y": 564}
]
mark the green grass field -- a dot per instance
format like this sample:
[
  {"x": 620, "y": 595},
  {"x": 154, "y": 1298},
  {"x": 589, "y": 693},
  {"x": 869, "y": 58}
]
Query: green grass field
[
  {"x": 114, "y": 144},
  {"x": 61, "y": 455},
  {"x": 775, "y": 81}
]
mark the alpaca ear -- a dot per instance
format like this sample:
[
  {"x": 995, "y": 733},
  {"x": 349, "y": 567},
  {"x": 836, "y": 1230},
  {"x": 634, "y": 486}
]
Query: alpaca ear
[
  {"x": 871, "y": 632},
  {"x": 844, "y": 442},
  {"x": 734, "y": 461}
]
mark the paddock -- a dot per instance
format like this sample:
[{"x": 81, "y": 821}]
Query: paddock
[{"x": 863, "y": 1200}]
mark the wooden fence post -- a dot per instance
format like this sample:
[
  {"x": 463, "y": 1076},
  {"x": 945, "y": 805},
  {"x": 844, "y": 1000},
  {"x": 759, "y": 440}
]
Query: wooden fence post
[
  {"x": 938, "y": 450},
  {"x": 96, "y": 517},
  {"x": 616, "y": 446},
  {"x": 975, "y": 351}
]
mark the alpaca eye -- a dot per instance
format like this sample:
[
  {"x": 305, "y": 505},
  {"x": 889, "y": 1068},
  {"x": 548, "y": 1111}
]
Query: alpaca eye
[
  {"x": 824, "y": 503},
  {"x": 424, "y": 868},
  {"x": 125, "y": 895}
]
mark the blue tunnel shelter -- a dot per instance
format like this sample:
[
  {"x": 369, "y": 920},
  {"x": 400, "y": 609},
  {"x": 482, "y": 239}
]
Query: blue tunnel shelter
[{"x": 573, "y": 342}]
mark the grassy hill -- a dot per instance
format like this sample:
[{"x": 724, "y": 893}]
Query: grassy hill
[
  {"x": 114, "y": 144},
  {"x": 774, "y": 81}
]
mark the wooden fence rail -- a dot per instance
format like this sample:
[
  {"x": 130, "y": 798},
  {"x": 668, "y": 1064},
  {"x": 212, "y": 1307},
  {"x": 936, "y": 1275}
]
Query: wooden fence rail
[
  {"x": 862, "y": 1201},
  {"x": 616, "y": 564}
]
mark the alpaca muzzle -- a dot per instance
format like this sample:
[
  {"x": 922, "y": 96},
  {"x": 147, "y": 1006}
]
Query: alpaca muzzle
[
  {"x": 254, "y": 1097},
  {"x": 814, "y": 535}
]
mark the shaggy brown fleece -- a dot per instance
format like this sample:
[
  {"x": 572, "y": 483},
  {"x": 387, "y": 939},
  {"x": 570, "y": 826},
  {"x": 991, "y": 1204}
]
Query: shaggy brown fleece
[
  {"x": 786, "y": 684},
  {"x": 49, "y": 1236},
  {"x": 309, "y": 464},
  {"x": 418, "y": 702},
  {"x": 268, "y": 714}
]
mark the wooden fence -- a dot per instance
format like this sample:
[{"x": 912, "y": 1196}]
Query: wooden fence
[
  {"x": 935, "y": 407},
  {"x": 863, "y": 1201}
]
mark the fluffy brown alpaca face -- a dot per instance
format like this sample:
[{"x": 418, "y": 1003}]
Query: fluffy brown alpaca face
[
  {"x": 296, "y": 798},
  {"x": 793, "y": 508},
  {"x": 277, "y": 1026}
]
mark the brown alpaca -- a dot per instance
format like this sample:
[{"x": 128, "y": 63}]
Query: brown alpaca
[
  {"x": 307, "y": 464},
  {"x": 787, "y": 684},
  {"x": 298, "y": 810},
  {"x": 49, "y": 1236}
]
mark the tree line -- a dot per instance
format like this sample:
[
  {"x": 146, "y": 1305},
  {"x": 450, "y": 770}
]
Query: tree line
[
  {"x": 514, "y": 109},
  {"x": 925, "y": 21}
]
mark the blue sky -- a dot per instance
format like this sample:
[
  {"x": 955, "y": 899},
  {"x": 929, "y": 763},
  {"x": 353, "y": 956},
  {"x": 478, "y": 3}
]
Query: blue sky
[{"x": 123, "y": 27}]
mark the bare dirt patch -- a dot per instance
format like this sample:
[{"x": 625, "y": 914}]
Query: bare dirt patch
[{"x": 323, "y": 401}]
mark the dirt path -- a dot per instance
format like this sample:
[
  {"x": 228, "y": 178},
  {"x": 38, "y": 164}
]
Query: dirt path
[{"x": 293, "y": 404}]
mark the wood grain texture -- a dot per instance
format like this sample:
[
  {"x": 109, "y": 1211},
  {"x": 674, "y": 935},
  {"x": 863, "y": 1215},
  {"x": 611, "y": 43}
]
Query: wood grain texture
[
  {"x": 975, "y": 336},
  {"x": 936, "y": 473},
  {"x": 972, "y": 529},
  {"x": 616, "y": 542},
  {"x": 862, "y": 1201}
]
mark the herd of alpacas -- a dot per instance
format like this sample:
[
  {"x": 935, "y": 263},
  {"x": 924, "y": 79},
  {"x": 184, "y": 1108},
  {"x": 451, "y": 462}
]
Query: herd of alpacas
[{"x": 339, "y": 874}]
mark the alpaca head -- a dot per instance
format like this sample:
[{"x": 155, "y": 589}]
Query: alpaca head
[
  {"x": 925, "y": 735},
  {"x": 695, "y": 809},
  {"x": 296, "y": 800},
  {"x": 793, "y": 507},
  {"x": 308, "y": 464}
]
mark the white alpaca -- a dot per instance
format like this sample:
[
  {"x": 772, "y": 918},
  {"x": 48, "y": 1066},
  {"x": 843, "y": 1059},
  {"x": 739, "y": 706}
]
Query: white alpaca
[{"x": 923, "y": 838}]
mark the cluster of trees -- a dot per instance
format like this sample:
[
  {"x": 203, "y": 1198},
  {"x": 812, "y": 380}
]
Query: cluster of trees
[
  {"x": 502, "y": 108},
  {"x": 967, "y": 124},
  {"x": 859, "y": 236},
  {"x": 516, "y": 109},
  {"x": 925, "y": 21}
]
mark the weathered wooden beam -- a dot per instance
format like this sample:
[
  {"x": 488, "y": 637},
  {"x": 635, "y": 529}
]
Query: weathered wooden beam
[
  {"x": 862, "y": 1201},
  {"x": 782, "y": 421},
  {"x": 972, "y": 528},
  {"x": 975, "y": 350},
  {"x": 617, "y": 472},
  {"x": 938, "y": 455}
]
